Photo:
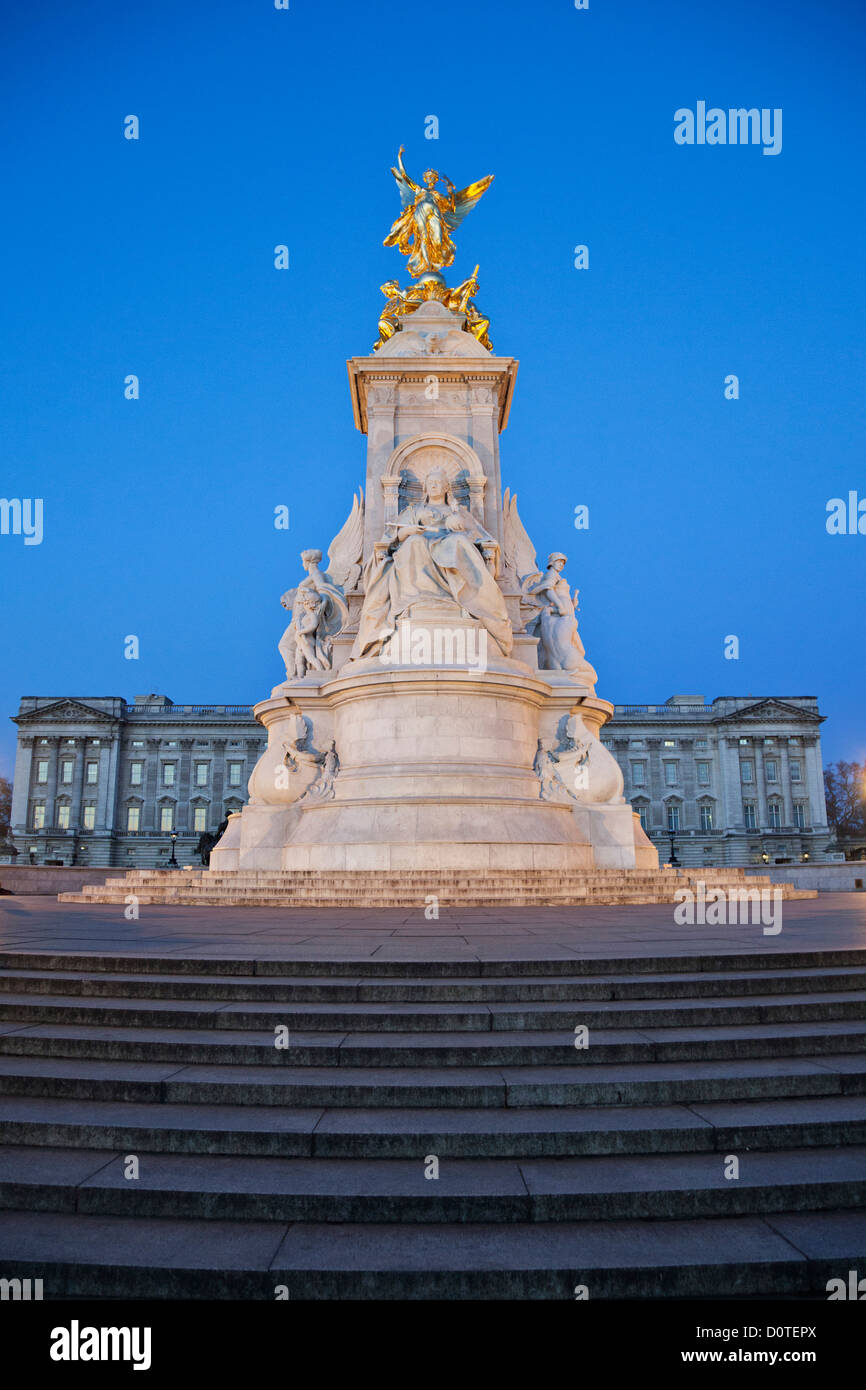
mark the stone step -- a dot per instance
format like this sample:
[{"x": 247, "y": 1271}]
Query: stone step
[
  {"x": 791, "y": 1254},
  {"x": 368, "y": 888},
  {"x": 558, "y": 1166},
  {"x": 528, "y": 1132},
  {"x": 769, "y": 959},
  {"x": 377, "y": 1016},
  {"x": 500, "y": 1048},
  {"x": 288, "y": 988},
  {"x": 660, "y": 1187},
  {"x": 464, "y": 877},
  {"x": 369, "y": 899},
  {"x": 643, "y": 1083}
]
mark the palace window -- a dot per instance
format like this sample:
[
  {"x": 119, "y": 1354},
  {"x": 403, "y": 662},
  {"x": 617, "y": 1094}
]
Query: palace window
[
  {"x": 744, "y": 741},
  {"x": 704, "y": 774},
  {"x": 795, "y": 770},
  {"x": 39, "y": 816},
  {"x": 800, "y": 815},
  {"x": 706, "y": 818},
  {"x": 750, "y": 815},
  {"x": 637, "y": 743},
  {"x": 66, "y": 769},
  {"x": 235, "y": 770},
  {"x": 199, "y": 821},
  {"x": 638, "y": 774},
  {"x": 166, "y": 818},
  {"x": 42, "y": 770},
  {"x": 201, "y": 774},
  {"x": 700, "y": 743},
  {"x": 168, "y": 775},
  {"x": 138, "y": 743},
  {"x": 89, "y": 816},
  {"x": 92, "y": 774},
  {"x": 63, "y": 817},
  {"x": 135, "y": 773},
  {"x": 771, "y": 770},
  {"x": 747, "y": 772},
  {"x": 643, "y": 814},
  {"x": 775, "y": 809},
  {"x": 673, "y": 818},
  {"x": 670, "y": 743},
  {"x": 133, "y": 818}
]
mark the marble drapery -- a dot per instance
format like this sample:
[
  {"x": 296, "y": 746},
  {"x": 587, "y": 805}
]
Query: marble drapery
[{"x": 434, "y": 553}]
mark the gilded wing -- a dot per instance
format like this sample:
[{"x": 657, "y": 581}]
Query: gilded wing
[
  {"x": 465, "y": 201},
  {"x": 518, "y": 552},
  {"x": 347, "y": 548}
]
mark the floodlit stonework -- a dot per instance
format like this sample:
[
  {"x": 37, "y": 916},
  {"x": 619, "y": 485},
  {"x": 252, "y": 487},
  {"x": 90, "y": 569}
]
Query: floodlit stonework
[
  {"x": 215, "y": 747},
  {"x": 439, "y": 760}
]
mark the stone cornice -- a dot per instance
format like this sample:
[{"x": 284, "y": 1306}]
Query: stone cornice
[{"x": 499, "y": 373}]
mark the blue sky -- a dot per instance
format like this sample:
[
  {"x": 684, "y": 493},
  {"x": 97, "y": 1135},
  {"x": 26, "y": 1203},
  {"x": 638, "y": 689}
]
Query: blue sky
[{"x": 259, "y": 127}]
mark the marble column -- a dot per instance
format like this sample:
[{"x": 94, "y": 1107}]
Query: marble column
[
  {"x": 20, "y": 822},
  {"x": 785, "y": 776},
  {"x": 53, "y": 782},
  {"x": 817, "y": 812},
  {"x": 757, "y": 757},
  {"x": 183, "y": 825}
]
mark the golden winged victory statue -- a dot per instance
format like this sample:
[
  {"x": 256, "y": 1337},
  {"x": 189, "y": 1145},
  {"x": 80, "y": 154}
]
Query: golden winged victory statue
[{"x": 422, "y": 232}]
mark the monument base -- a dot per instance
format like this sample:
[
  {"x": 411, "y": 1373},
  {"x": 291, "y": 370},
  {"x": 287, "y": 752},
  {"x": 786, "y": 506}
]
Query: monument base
[{"x": 439, "y": 769}]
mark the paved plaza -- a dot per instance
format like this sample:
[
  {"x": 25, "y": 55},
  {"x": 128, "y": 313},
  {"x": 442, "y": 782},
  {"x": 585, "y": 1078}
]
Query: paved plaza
[{"x": 833, "y": 921}]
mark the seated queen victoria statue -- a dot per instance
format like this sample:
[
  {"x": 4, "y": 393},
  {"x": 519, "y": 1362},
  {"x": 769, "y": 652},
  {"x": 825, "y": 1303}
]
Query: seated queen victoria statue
[{"x": 435, "y": 550}]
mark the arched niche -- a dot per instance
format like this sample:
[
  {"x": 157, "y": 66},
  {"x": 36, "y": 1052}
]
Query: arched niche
[{"x": 409, "y": 464}]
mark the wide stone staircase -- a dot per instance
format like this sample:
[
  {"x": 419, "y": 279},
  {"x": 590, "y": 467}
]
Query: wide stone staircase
[
  {"x": 408, "y": 888},
  {"x": 157, "y": 1140}
]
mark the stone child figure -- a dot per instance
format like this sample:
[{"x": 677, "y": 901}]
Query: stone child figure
[
  {"x": 318, "y": 609},
  {"x": 311, "y": 648}
]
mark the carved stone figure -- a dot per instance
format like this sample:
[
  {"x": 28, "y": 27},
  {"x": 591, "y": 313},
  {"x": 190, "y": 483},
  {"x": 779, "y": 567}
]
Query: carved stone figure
[
  {"x": 318, "y": 605},
  {"x": 434, "y": 550},
  {"x": 323, "y": 788},
  {"x": 559, "y": 644},
  {"x": 552, "y": 787}
]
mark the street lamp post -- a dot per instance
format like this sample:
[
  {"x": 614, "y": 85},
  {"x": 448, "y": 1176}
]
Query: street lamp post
[
  {"x": 172, "y": 863},
  {"x": 675, "y": 863}
]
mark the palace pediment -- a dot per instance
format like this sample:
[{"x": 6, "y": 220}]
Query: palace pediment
[
  {"x": 770, "y": 711},
  {"x": 65, "y": 711}
]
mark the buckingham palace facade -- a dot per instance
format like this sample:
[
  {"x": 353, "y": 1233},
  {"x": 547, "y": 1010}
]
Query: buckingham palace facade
[{"x": 101, "y": 781}]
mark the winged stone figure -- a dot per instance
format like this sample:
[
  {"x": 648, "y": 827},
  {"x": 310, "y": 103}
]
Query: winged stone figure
[{"x": 423, "y": 230}]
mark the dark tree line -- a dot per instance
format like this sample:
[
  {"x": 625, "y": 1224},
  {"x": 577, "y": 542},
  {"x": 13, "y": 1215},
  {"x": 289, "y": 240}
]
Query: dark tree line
[
  {"x": 5, "y": 807},
  {"x": 845, "y": 790}
]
